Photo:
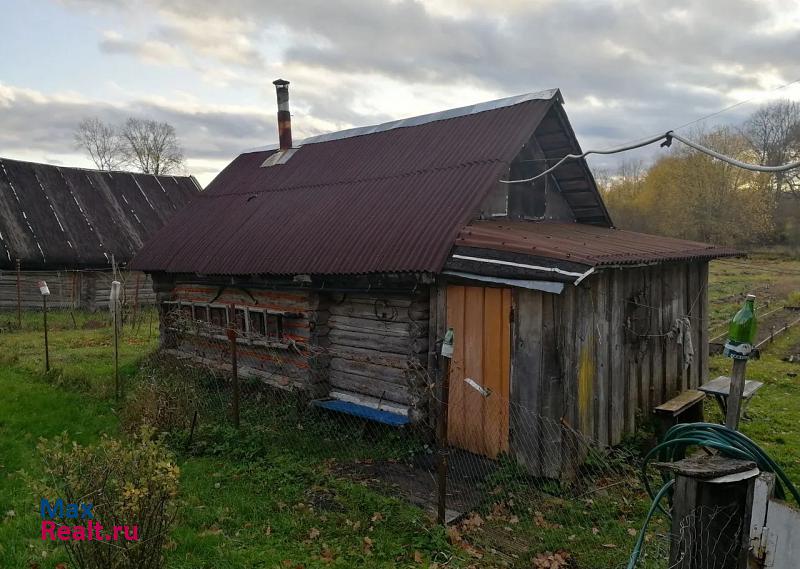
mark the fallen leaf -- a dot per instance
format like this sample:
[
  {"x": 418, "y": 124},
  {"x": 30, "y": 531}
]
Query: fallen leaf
[
  {"x": 377, "y": 517},
  {"x": 631, "y": 531},
  {"x": 313, "y": 533},
  {"x": 417, "y": 556},
  {"x": 368, "y": 543}
]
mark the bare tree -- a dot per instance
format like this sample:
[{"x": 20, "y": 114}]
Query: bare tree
[
  {"x": 773, "y": 132},
  {"x": 102, "y": 142},
  {"x": 152, "y": 146}
]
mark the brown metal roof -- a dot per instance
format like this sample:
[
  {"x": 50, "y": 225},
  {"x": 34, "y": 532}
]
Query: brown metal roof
[
  {"x": 382, "y": 201},
  {"x": 54, "y": 217},
  {"x": 583, "y": 244}
]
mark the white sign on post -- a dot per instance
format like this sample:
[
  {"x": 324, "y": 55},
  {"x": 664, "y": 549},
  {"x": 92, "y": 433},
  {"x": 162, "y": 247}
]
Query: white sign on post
[{"x": 43, "y": 288}]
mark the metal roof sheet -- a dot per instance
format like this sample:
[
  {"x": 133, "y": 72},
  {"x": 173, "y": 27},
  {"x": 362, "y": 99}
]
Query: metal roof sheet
[
  {"x": 392, "y": 200},
  {"x": 57, "y": 217},
  {"x": 545, "y": 95},
  {"x": 588, "y": 245}
]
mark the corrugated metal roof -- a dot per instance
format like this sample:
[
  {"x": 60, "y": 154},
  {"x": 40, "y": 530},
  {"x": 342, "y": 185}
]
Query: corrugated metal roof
[
  {"x": 57, "y": 217},
  {"x": 583, "y": 244},
  {"x": 545, "y": 95},
  {"x": 392, "y": 200}
]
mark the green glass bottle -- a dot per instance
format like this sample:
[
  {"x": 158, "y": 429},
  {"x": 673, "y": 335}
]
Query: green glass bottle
[{"x": 742, "y": 331}]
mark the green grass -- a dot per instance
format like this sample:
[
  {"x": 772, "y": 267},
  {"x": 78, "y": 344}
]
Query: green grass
[
  {"x": 29, "y": 409},
  {"x": 772, "y": 278}
]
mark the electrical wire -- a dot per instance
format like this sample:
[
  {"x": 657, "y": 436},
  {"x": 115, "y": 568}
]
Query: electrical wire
[
  {"x": 728, "y": 442},
  {"x": 733, "y": 161},
  {"x": 667, "y": 141}
]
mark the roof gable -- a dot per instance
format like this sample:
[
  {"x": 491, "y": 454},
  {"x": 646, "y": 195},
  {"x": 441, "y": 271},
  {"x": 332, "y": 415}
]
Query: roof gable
[
  {"x": 56, "y": 217},
  {"x": 379, "y": 199}
]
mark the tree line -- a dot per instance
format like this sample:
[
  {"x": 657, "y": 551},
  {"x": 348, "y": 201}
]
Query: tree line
[
  {"x": 693, "y": 196},
  {"x": 146, "y": 145}
]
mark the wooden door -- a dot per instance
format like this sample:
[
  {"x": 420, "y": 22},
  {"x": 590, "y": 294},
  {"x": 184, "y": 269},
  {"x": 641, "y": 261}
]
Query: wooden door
[{"x": 481, "y": 321}]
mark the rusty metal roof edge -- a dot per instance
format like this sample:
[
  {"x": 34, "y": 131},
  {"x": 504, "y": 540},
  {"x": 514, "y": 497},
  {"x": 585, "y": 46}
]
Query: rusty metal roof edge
[{"x": 544, "y": 95}]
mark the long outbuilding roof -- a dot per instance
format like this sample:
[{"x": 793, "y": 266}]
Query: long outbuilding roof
[
  {"x": 53, "y": 217},
  {"x": 386, "y": 198},
  {"x": 583, "y": 244}
]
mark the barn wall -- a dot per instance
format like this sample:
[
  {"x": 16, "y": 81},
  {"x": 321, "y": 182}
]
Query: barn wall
[
  {"x": 81, "y": 290},
  {"x": 603, "y": 354}
]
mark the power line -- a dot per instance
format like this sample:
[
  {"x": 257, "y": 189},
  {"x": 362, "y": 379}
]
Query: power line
[
  {"x": 640, "y": 142},
  {"x": 667, "y": 141}
]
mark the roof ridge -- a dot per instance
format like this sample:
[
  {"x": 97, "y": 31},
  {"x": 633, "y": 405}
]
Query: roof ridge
[
  {"x": 422, "y": 119},
  {"x": 355, "y": 180},
  {"x": 95, "y": 170}
]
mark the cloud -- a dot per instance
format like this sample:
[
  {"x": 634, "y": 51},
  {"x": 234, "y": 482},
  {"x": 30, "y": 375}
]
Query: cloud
[
  {"x": 627, "y": 68},
  {"x": 149, "y": 51},
  {"x": 33, "y": 125}
]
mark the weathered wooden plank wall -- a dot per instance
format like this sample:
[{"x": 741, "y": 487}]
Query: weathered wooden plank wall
[
  {"x": 80, "y": 290},
  {"x": 615, "y": 337}
]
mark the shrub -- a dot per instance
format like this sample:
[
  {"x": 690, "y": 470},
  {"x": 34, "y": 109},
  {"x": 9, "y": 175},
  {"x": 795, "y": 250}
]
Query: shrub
[
  {"x": 130, "y": 484},
  {"x": 164, "y": 398}
]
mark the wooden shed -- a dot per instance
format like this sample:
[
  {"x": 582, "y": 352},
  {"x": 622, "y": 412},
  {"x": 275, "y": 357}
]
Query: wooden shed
[
  {"x": 364, "y": 246},
  {"x": 65, "y": 225}
]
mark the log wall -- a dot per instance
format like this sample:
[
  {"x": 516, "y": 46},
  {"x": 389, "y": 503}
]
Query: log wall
[
  {"x": 378, "y": 345},
  {"x": 364, "y": 347}
]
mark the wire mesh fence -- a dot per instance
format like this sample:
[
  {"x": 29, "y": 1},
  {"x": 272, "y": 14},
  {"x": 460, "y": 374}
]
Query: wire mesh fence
[{"x": 518, "y": 490}]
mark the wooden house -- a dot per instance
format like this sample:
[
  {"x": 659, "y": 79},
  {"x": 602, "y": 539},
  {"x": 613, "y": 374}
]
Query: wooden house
[
  {"x": 66, "y": 225},
  {"x": 366, "y": 245}
]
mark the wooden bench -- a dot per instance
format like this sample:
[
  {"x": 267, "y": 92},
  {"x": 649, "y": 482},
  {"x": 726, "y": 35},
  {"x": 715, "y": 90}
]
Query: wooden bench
[
  {"x": 720, "y": 388},
  {"x": 687, "y": 407},
  {"x": 363, "y": 412}
]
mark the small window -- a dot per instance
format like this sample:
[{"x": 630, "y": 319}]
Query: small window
[
  {"x": 171, "y": 312},
  {"x": 218, "y": 316},
  {"x": 200, "y": 312},
  {"x": 186, "y": 312},
  {"x": 257, "y": 324},
  {"x": 240, "y": 320},
  {"x": 275, "y": 327}
]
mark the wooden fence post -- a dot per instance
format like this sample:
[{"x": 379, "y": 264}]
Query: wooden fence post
[
  {"x": 234, "y": 366},
  {"x": 19, "y": 297},
  {"x": 735, "y": 394},
  {"x": 441, "y": 478},
  {"x": 711, "y": 511}
]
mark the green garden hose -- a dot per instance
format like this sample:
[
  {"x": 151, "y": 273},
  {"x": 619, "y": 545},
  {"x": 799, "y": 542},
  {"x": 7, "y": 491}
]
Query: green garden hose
[{"x": 728, "y": 442}]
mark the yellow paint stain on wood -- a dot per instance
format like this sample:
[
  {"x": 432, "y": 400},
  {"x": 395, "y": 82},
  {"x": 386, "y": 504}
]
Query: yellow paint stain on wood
[{"x": 586, "y": 372}]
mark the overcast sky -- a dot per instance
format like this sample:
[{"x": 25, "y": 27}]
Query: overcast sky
[{"x": 627, "y": 69}]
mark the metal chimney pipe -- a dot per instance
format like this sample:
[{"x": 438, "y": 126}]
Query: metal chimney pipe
[{"x": 284, "y": 118}]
